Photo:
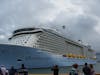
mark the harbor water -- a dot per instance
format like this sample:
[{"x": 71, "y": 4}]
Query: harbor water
[
  {"x": 61, "y": 70},
  {"x": 97, "y": 67}
]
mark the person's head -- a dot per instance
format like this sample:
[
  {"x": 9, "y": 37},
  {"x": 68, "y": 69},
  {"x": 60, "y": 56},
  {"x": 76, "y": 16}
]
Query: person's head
[
  {"x": 2, "y": 66},
  {"x": 75, "y": 66},
  {"x": 91, "y": 66},
  {"x": 22, "y": 65},
  {"x": 56, "y": 65},
  {"x": 85, "y": 64},
  {"x": 12, "y": 67}
]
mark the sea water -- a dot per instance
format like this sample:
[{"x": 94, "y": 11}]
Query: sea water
[
  {"x": 49, "y": 71},
  {"x": 61, "y": 69},
  {"x": 97, "y": 67}
]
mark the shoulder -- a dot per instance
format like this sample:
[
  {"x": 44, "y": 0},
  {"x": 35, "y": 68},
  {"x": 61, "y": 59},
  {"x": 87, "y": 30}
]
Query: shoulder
[
  {"x": 72, "y": 72},
  {"x": 92, "y": 70}
]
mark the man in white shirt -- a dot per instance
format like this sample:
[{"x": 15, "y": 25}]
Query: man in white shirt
[{"x": 3, "y": 70}]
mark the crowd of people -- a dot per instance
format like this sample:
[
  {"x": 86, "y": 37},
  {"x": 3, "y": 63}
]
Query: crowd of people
[
  {"x": 13, "y": 71},
  {"x": 86, "y": 70}
]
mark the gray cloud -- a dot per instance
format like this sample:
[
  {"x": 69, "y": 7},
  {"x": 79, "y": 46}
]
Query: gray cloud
[{"x": 80, "y": 18}]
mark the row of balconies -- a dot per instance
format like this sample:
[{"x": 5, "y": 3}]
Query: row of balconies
[
  {"x": 50, "y": 45},
  {"x": 53, "y": 39},
  {"x": 57, "y": 44},
  {"x": 70, "y": 55}
]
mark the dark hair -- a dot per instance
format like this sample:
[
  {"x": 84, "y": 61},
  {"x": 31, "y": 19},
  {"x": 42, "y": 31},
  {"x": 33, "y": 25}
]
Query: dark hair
[
  {"x": 22, "y": 66},
  {"x": 91, "y": 66},
  {"x": 12, "y": 67},
  {"x": 86, "y": 64},
  {"x": 56, "y": 65},
  {"x": 75, "y": 65}
]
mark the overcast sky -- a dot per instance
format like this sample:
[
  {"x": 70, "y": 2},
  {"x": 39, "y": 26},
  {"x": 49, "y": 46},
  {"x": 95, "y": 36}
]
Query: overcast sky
[{"x": 81, "y": 18}]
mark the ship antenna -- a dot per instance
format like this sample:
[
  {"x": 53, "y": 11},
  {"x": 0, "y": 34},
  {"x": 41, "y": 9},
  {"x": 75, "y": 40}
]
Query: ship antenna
[{"x": 63, "y": 26}]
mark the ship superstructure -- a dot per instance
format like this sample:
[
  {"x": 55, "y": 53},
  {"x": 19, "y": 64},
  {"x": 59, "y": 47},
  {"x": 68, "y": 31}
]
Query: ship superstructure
[
  {"x": 45, "y": 48},
  {"x": 50, "y": 41}
]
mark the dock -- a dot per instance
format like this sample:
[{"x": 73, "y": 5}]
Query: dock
[
  {"x": 47, "y": 74},
  {"x": 59, "y": 74}
]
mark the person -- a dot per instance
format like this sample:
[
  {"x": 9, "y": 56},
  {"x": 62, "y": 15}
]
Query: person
[
  {"x": 3, "y": 70},
  {"x": 92, "y": 69},
  {"x": 74, "y": 70},
  {"x": 23, "y": 70},
  {"x": 55, "y": 70},
  {"x": 12, "y": 71},
  {"x": 0, "y": 72},
  {"x": 86, "y": 69},
  {"x": 7, "y": 72}
]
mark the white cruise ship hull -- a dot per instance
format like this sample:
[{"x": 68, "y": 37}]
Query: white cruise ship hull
[{"x": 12, "y": 55}]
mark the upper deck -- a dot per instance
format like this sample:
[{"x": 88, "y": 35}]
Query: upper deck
[{"x": 23, "y": 29}]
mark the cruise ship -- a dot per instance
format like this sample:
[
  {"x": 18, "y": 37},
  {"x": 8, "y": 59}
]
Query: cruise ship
[{"x": 43, "y": 48}]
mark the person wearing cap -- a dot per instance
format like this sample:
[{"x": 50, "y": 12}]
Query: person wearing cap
[
  {"x": 3, "y": 70},
  {"x": 74, "y": 70}
]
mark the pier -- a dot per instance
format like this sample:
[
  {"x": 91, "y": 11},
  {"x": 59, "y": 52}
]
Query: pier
[{"x": 59, "y": 74}]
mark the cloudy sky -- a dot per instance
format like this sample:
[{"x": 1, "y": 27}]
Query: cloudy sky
[{"x": 81, "y": 18}]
